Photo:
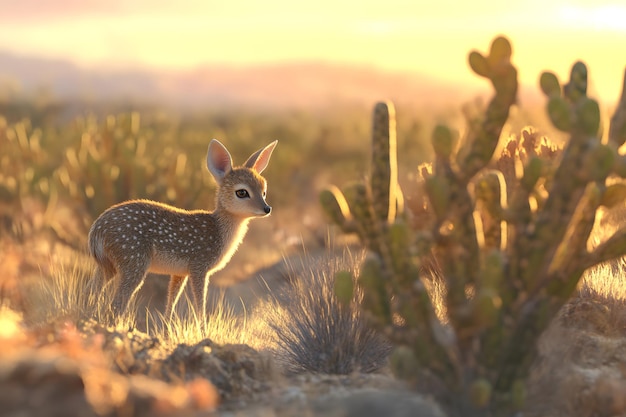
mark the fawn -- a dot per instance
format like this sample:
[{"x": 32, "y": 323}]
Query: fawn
[{"x": 133, "y": 238}]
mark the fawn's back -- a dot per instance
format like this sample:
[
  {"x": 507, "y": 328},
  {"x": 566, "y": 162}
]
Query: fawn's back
[
  {"x": 140, "y": 230},
  {"x": 140, "y": 236}
]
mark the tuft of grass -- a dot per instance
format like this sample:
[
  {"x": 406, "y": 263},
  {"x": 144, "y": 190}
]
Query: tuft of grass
[
  {"x": 600, "y": 302},
  {"x": 314, "y": 331},
  {"x": 606, "y": 282},
  {"x": 223, "y": 324},
  {"x": 70, "y": 294}
]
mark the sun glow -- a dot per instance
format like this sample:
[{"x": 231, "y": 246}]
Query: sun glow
[{"x": 431, "y": 39}]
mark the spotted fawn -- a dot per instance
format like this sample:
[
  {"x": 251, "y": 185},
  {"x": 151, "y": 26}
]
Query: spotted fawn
[{"x": 133, "y": 238}]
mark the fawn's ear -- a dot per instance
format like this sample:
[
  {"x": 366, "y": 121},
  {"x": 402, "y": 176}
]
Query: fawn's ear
[
  {"x": 258, "y": 161},
  {"x": 218, "y": 160}
]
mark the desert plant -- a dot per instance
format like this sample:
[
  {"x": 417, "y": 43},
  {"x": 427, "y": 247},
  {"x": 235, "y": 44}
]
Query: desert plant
[
  {"x": 370, "y": 208},
  {"x": 510, "y": 255},
  {"x": 25, "y": 171},
  {"x": 314, "y": 331},
  {"x": 69, "y": 294},
  {"x": 223, "y": 325},
  {"x": 25, "y": 167},
  {"x": 92, "y": 165},
  {"x": 116, "y": 160}
]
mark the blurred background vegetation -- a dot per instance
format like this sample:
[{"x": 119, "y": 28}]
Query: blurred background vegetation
[
  {"x": 64, "y": 161},
  {"x": 111, "y": 152},
  {"x": 93, "y": 160}
]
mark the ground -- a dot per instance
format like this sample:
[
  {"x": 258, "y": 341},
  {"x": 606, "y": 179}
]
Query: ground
[{"x": 58, "y": 362}]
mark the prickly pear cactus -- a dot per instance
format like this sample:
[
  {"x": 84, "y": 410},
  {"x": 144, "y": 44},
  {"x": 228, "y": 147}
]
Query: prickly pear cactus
[
  {"x": 510, "y": 239},
  {"x": 483, "y": 138}
]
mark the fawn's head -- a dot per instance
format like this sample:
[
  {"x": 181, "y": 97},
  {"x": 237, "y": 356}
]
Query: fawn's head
[{"x": 241, "y": 189}]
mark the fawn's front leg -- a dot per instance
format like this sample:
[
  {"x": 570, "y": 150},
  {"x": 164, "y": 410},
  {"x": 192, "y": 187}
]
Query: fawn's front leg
[
  {"x": 199, "y": 287},
  {"x": 174, "y": 291}
]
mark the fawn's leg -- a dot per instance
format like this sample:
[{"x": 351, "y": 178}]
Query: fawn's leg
[
  {"x": 132, "y": 276},
  {"x": 105, "y": 271},
  {"x": 100, "y": 279},
  {"x": 174, "y": 291},
  {"x": 199, "y": 285}
]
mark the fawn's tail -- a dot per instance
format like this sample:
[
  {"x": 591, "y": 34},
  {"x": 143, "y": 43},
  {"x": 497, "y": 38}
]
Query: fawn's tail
[{"x": 96, "y": 249}]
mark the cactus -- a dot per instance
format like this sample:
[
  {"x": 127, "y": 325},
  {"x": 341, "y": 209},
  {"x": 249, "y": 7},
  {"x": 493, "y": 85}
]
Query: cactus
[
  {"x": 369, "y": 208},
  {"x": 483, "y": 138},
  {"x": 384, "y": 178},
  {"x": 510, "y": 238},
  {"x": 617, "y": 131}
]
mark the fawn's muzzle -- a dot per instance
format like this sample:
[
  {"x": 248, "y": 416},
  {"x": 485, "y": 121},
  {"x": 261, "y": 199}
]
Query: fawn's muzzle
[{"x": 267, "y": 209}]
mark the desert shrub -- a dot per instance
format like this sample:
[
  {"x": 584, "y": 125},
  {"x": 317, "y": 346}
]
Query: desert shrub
[
  {"x": 314, "y": 331},
  {"x": 510, "y": 249}
]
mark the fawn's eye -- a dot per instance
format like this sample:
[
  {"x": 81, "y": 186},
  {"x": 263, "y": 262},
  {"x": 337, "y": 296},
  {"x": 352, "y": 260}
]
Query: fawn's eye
[{"x": 242, "y": 193}]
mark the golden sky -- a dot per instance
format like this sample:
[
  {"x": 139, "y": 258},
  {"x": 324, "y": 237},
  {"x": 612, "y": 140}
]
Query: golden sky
[{"x": 427, "y": 37}]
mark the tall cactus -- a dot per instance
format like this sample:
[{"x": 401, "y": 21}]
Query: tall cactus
[
  {"x": 510, "y": 254},
  {"x": 384, "y": 177},
  {"x": 617, "y": 131},
  {"x": 369, "y": 208}
]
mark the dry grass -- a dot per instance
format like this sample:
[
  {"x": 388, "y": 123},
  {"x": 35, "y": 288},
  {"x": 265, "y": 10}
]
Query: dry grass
[
  {"x": 69, "y": 294},
  {"x": 606, "y": 280},
  {"x": 223, "y": 325},
  {"x": 603, "y": 288}
]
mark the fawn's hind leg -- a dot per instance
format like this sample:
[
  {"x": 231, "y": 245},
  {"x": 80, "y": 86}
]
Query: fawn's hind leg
[
  {"x": 131, "y": 277},
  {"x": 99, "y": 279},
  {"x": 103, "y": 275},
  {"x": 105, "y": 270},
  {"x": 174, "y": 291}
]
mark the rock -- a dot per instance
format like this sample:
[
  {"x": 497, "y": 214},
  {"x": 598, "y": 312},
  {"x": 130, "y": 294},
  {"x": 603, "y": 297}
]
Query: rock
[{"x": 373, "y": 403}]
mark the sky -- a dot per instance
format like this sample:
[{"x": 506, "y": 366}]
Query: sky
[{"x": 425, "y": 37}]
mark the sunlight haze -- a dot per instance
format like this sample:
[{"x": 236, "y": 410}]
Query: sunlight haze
[{"x": 430, "y": 39}]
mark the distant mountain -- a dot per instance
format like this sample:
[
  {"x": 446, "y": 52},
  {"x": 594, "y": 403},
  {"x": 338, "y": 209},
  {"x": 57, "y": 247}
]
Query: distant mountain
[
  {"x": 302, "y": 84},
  {"x": 30, "y": 75},
  {"x": 309, "y": 84}
]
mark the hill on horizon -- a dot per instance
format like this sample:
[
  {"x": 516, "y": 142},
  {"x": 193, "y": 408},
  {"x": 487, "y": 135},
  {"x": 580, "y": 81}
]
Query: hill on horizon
[{"x": 267, "y": 86}]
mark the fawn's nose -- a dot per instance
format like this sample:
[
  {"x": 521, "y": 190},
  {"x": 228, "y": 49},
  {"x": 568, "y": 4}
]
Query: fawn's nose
[{"x": 267, "y": 209}]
